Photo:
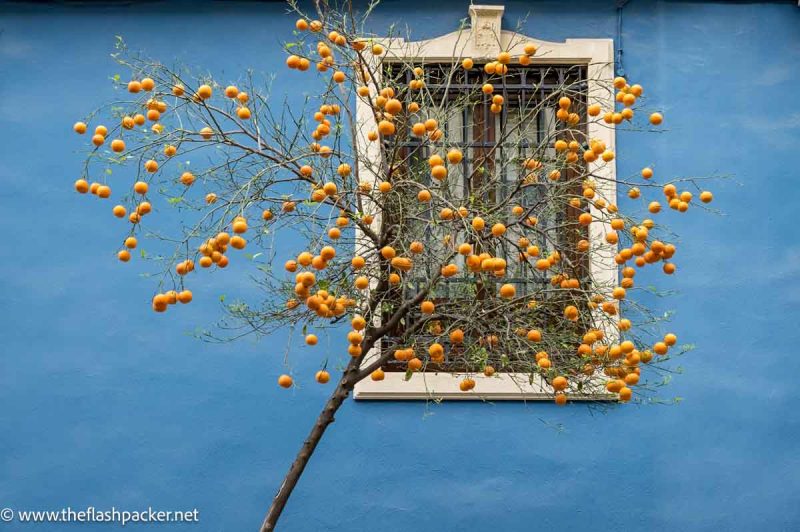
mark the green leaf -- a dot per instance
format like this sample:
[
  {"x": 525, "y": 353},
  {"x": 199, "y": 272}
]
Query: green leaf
[{"x": 222, "y": 298}]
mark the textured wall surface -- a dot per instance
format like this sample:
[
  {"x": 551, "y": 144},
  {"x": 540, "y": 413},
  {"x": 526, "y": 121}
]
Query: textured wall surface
[{"x": 103, "y": 402}]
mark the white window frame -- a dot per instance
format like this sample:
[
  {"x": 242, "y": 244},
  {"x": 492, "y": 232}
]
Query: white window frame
[{"x": 482, "y": 42}]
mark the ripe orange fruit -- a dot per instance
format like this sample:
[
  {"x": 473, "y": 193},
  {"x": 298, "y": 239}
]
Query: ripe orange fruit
[
  {"x": 243, "y": 113},
  {"x": 507, "y": 291},
  {"x": 148, "y": 84},
  {"x": 103, "y": 191},
  {"x": 706, "y": 196},
  {"x": 187, "y": 178},
  {"x": 130, "y": 242},
  {"x": 322, "y": 376},
  {"x": 134, "y": 86},
  {"x": 455, "y": 156},
  {"x": 427, "y": 307},
  {"x": 124, "y": 255},
  {"x": 498, "y": 229},
  {"x": 625, "y": 394},
  {"x": 424, "y": 196},
  {"x": 82, "y": 186},
  {"x": 185, "y": 296},
  {"x": 487, "y": 88},
  {"x": 561, "y": 399},
  {"x": 79, "y": 128},
  {"x": 534, "y": 335},
  {"x": 98, "y": 140},
  {"x": 377, "y": 375},
  {"x": 285, "y": 381},
  {"x": 151, "y": 166},
  {"x": 204, "y": 92},
  {"x": 656, "y": 119},
  {"x": 231, "y": 91},
  {"x": 178, "y": 90},
  {"x": 559, "y": 383},
  {"x": 529, "y": 48},
  {"x": 140, "y": 187},
  {"x": 311, "y": 339},
  {"x": 119, "y": 211},
  {"x": 386, "y": 128},
  {"x": 467, "y": 63}
]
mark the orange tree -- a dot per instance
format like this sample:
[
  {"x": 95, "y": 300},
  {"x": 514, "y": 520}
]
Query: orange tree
[{"x": 436, "y": 255}]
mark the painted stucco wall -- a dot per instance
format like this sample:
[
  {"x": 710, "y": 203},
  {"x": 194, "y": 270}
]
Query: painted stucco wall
[{"x": 104, "y": 403}]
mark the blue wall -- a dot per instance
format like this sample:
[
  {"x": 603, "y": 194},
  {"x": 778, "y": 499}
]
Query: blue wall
[{"x": 103, "y": 402}]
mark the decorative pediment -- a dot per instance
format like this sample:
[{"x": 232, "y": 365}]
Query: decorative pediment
[{"x": 485, "y": 38}]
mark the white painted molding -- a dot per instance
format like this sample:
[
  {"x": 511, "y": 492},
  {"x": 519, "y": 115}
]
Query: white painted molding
[{"x": 482, "y": 42}]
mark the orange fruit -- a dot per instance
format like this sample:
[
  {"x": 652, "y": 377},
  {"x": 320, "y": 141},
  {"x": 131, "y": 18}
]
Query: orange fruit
[
  {"x": 178, "y": 90},
  {"x": 656, "y": 119},
  {"x": 204, "y": 92},
  {"x": 507, "y": 291},
  {"x": 427, "y": 307},
  {"x": 243, "y": 113},
  {"x": 82, "y": 186},
  {"x": 625, "y": 394},
  {"x": 119, "y": 211},
  {"x": 79, "y": 128},
  {"x": 151, "y": 166},
  {"x": 134, "y": 86},
  {"x": 322, "y": 376},
  {"x": 454, "y": 156},
  {"x": 231, "y": 91},
  {"x": 467, "y": 63},
  {"x": 386, "y": 128},
  {"x": 148, "y": 84},
  {"x": 706, "y": 196},
  {"x": 187, "y": 178},
  {"x": 559, "y": 383},
  {"x": 140, "y": 187},
  {"x": 377, "y": 375},
  {"x": 185, "y": 296},
  {"x": 124, "y": 255},
  {"x": 103, "y": 191},
  {"x": 285, "y": 381}
]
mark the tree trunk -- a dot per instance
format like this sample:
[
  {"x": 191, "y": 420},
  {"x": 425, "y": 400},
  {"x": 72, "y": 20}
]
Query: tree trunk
[{"x": 326, "y": 417}]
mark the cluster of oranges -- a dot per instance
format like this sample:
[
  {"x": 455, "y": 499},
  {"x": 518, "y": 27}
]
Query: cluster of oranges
[{"x": 475, "y": 235}]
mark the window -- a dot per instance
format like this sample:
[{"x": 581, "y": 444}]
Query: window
[{"x": 495, "y": 140}]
